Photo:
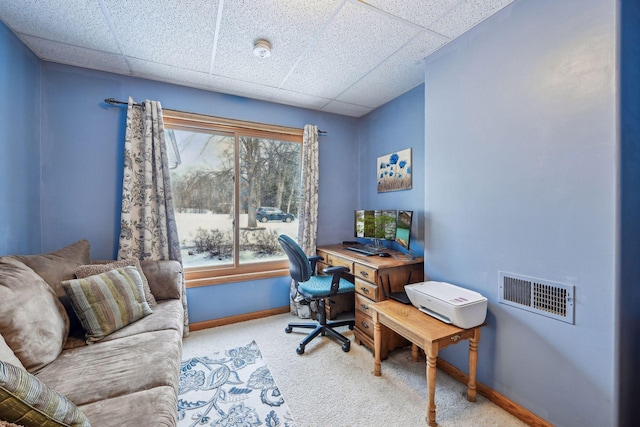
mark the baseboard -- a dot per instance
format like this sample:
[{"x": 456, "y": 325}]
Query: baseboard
[
  {"x": 239, "y": 318},
  {"x": 511, "y": 407}
]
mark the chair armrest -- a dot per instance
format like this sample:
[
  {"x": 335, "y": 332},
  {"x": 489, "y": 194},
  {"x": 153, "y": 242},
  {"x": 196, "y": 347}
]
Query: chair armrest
[
  {"x": 336, "y": 275},
  {"x": 337, "y": 269},
  {"x": 313, "y": 260}
]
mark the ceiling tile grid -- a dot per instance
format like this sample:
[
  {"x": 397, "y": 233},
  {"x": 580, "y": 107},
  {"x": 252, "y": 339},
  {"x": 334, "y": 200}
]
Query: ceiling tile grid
[
  {"x": 355, "y": 42},
  {"x": 165, "y": 31},
  {"x": 381, "y": 86},
  {"x": 76, "y": 56},
  {"x": 341, "y": 56},
  {"x": 289, "y": 30},
  {"x": 73, "y": 22}
]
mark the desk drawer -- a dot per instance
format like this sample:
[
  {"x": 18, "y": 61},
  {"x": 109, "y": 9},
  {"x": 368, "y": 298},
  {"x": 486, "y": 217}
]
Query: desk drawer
[
  {"x": 364, "y": 323},
  {"x": 335, "y": 261},
  {"x": 321, "y": 266},
  {"x": 365, "y": 273},
  {"x": 363, "y": 304},
  {"x": 366, "y": 289}
]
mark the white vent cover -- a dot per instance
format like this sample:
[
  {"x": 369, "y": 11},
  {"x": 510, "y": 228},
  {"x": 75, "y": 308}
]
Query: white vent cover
[{"x": 539, "y": 296}]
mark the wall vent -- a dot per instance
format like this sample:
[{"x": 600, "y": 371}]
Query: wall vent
[{"x": 539, "y": 296}]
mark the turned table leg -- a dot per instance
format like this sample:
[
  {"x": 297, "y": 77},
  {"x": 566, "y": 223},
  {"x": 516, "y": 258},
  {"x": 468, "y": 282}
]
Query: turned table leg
[
  {"x": 473, "y": 365},
  {"x": 377, "y": 344},
  {"x": 432, "y": 357}
]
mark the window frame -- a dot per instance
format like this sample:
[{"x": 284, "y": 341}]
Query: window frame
[{"x": 209, "y": 275}]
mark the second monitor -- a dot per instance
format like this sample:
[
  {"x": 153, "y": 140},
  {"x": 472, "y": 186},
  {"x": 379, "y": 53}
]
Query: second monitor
[{"x": 383, "y": 224}]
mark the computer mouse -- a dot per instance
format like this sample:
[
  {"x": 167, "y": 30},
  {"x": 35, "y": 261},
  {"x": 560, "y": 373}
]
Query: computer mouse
[{"x": 384, "y": 254}]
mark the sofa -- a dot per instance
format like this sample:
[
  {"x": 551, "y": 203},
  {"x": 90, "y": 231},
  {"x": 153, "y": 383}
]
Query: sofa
[{"x": 91, "y": 339}]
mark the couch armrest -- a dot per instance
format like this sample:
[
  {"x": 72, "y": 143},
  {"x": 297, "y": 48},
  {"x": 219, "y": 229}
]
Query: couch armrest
[{"x": 165, "y": 278}]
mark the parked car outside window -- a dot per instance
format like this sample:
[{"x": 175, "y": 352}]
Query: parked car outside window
[{"x": 266, "y": 213}]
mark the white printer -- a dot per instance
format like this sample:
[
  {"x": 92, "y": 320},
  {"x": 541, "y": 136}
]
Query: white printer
[{"x": 449, "y": 303}]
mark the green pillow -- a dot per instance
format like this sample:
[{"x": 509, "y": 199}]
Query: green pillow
[
  {"x": 27, "y": 401},
  {"x": 108, "y": 301}
]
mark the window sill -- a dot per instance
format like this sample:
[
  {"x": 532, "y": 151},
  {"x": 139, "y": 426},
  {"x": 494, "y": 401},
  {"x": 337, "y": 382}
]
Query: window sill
[{"x": 195, "y": 282}]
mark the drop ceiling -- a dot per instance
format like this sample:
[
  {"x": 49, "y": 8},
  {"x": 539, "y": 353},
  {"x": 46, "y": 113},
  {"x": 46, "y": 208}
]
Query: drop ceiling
[{"x": 341, "y": 56}]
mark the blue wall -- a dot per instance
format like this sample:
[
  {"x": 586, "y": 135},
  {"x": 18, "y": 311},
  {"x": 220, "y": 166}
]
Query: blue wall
[
  {"x": 19, "y": 147},
  {"x": 83, "y": 160},
  {"x": 629, "y": 298},
  {"x": 395, "y": 126},
  {"x": 521, "y": 176}
]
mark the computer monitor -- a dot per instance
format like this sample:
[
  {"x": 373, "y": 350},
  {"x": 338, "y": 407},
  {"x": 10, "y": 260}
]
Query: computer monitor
[
  {"x": 375, "y": 224},
  {"x": 403, "y": 228}
]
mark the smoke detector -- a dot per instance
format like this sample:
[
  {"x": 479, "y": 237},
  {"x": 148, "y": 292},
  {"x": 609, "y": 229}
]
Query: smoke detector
[{"x": 262, "y": 48}]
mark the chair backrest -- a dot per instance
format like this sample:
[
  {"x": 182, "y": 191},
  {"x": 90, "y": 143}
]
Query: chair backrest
[{"x": 299, "y": 266}]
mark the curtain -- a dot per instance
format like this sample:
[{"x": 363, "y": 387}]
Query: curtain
[
  {"x": 308, "y": 214},
  {"x": 148, "y": 225}
]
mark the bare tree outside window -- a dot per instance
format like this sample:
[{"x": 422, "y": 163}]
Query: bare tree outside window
[{"x": 206, "y": 196}]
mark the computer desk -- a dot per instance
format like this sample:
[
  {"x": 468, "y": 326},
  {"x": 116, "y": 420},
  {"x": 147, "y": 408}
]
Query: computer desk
[
  {"x": 374, "y": 278},
  {"x": 429, "y": 334}
]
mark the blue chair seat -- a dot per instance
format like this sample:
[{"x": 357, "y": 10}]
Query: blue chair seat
[
  {"x": 320, "y": 287},
  {"x": 316, "y": 289}
]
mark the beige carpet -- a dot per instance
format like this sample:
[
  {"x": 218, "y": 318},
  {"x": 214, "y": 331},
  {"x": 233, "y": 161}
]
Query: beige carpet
[{"x": 326, "y": 387}]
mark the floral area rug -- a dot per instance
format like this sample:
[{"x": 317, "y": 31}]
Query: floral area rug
[{"x": 230, "y": 388}]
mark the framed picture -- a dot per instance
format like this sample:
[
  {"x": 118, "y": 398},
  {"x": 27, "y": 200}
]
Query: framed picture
[{"x": 394, "y": 171}]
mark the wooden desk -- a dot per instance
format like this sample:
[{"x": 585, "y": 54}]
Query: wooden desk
[
  {"x": 429, "y": 334},
  {"x": 369, "y": 274}
]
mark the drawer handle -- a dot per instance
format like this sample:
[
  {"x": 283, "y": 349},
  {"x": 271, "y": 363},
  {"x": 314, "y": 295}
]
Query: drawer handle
[
  {"x": 455, "y": 338},
  {"x": 365, "y": 325},
  {"x": 364, "y": 273},
  {"x": 364, "y": 306},
  {"x": 365, "y": 290}
]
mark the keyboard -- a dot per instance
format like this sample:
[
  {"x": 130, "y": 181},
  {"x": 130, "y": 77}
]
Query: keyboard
[{"x": 360, "y": 251}]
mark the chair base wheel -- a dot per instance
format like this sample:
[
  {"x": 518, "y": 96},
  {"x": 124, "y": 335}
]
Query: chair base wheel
[
  {"x": 300, "y": 350},
  {"x": 288, "y": 329},
  {"x": 351, "y": 327},
  {"x": 346, "y": 347}
]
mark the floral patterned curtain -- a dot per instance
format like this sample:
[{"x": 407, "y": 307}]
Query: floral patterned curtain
[
  {"x": 148, "y": 226},
  {"x": 308, "y": 215}
]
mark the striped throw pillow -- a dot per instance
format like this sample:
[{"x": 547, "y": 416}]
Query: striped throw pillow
[
  {"x": 108, "y": 301},
  {"x": 27, "y": 401}
]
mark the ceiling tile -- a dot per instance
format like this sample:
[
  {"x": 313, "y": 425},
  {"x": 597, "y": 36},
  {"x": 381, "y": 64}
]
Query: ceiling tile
[
  {"x": 466, "y": 15},
  {"x": 74, "y": 22},
  {"x": 78, "y": 56},
  {"x": 166, "y": 31},
  {"x": 297, "y": 99},
  {"x": 356, "y": 41},
  {"x": 289, "y": 29},
  {"x": 415, "y": 11},
  {"x": 345, "y": 109},
  {"x": 400, "y": 73}
]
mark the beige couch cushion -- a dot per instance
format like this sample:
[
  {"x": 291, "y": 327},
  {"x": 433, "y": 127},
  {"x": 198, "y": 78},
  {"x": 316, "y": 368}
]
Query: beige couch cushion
[
  {"x": 56, "y": 266},
  {"x": 107, "y": 301},
  {"x": 32, "y": 320},
  {"x": 118, "y": 367},
  {"x": 93, "y": 269}
]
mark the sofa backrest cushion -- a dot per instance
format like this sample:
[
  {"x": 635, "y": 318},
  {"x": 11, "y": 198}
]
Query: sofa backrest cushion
[
  {"x": 108, "y": 301},
  {"x": 97, "y": 268},
  {"x": 56, "y": 266},
  {"x": 33, "y": 322}
]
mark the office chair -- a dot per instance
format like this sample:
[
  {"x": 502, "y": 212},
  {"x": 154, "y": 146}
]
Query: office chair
[{"x": 316, "y": 288}]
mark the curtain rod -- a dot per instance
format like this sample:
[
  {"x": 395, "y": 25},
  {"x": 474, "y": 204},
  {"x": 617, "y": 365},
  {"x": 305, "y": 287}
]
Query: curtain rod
[{"x": 113, "y": 101}]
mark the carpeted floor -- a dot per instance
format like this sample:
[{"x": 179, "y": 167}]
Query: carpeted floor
[{"x": 327, "y": 387}]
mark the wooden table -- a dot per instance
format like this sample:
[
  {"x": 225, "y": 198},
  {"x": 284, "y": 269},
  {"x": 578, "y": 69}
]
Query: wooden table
[
  {"x": 429, "y": 334},
  {"x": 374, "y": 278}
]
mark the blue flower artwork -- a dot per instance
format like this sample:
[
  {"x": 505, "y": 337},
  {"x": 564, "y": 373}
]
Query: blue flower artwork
[{"x": 394, "y": 171}]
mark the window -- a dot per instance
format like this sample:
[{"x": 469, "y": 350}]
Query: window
[{"x": 236, "y": 188}]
